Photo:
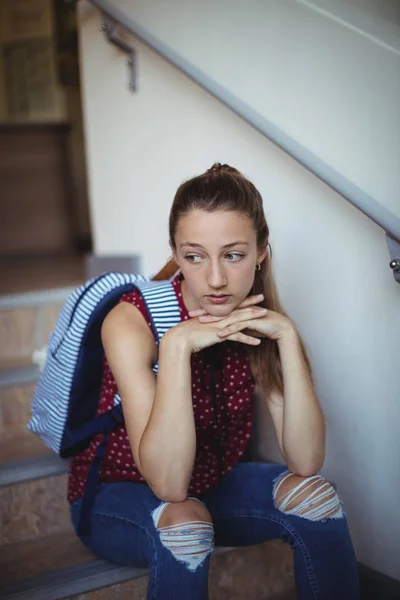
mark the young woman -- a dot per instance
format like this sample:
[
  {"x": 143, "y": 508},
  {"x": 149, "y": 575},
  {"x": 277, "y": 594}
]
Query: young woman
[{"x": 175, "y": 478}]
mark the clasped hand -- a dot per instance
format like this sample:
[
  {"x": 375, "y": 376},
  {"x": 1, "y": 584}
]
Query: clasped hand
[{"x": 252, "y": 320}]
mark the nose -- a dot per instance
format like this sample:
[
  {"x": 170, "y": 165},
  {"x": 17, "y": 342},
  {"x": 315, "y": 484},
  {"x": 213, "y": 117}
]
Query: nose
[{"x": 216, "y": 276}]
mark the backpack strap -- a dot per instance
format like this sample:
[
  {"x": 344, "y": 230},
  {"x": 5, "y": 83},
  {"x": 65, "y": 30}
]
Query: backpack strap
[{"x": 162, "y": 306}]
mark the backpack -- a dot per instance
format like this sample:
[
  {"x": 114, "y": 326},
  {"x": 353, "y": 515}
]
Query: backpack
[
  {"x": 68, "y": 390},
  {"x": 67, "y": 393}
]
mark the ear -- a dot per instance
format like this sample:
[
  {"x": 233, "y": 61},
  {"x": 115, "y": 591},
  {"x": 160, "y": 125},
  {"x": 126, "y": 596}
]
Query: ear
[{"x": 262, "y": 253}]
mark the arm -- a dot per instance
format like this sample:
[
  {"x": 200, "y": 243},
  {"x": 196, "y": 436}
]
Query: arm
[
  {"x": 168, "y": 444},
  {"x": 297, "y": 417},
  {"x": 158, "y": 412}
]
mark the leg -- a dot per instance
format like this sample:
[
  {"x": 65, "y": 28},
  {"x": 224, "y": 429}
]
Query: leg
[
  {"x": 256, "y": 502},
  {"x": 309, "y": 497},
  {"x": 186, "y": 530},
  {"x": 124, "y": 526}
]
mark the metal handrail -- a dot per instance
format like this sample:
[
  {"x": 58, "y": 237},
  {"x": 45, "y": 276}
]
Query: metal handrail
[{"x": 378, "y": 213}]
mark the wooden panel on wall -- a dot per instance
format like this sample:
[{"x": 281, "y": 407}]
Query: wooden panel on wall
[{"x": 34, "y": 197}]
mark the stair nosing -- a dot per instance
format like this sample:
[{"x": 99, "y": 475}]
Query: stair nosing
[
  {"x": 35, "y": 298},
  {"x": 17, "y": 471},
  {"x": 73, "y": 580},
  {"x": 18, "y": 375}
]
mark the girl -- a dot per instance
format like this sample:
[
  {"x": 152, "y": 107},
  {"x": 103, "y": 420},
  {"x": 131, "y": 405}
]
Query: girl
[{"x": 176, "y": 478}]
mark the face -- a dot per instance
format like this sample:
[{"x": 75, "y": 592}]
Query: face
[{"x": 217, "y": 254}]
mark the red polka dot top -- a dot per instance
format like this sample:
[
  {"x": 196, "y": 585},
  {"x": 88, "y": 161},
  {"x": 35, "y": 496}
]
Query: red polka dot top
[{"x": 222, "y": 392}]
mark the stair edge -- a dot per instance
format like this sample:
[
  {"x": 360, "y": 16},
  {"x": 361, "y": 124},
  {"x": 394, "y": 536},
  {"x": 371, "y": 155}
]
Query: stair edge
[
  {"x": 70, "y": 581},
  {"x": 18, "y": 471}
]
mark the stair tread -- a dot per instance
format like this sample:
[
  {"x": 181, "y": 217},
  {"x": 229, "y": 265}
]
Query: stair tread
[
  {"x": 56, "y": 566},
  {"x": 18, "y": 375},
  {"x": 15, "y": 362},
  {"x": 26, "y": 457},
  {"x": 35, "y": 568},
  {"x": 24, "y": 446},
  {"x": 35, "y": 557},
  {"x": 59, "y": 566},
  {"x": 30, "y": 274},
  {"x": 54, "y": 552}
]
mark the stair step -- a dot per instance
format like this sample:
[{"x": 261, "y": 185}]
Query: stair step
[
  {"x": 15, "y": 412},
  {"x": 33, "y": 509},
  {"x": 22, "y": 274},
  {"x": 29, "y": 468},
  {"x": 20, "y": 375},
  {"x": 59, "y": 566},
  {"x": 20, "y": 448},
  {"x": 26, "y": 321},
  {"x": 23, "y": 455},
  {"x": 56, "y": 567}
]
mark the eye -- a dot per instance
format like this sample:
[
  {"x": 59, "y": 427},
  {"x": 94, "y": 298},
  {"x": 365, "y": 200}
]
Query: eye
[
  {"x": 234, "y": 256},
  {"x": 192, "y": 257}
]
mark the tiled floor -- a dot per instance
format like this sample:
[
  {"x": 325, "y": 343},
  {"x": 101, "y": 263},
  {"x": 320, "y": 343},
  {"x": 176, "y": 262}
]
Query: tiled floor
[{"x": 33, "y": 274}]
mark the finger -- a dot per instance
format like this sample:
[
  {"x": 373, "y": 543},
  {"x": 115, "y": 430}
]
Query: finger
[
  {"x": 253, "y": 312},
  {"x": 245, "y": 314},
  {"x": 234, "y": 328},
  {"x": 243, "y": 338}
]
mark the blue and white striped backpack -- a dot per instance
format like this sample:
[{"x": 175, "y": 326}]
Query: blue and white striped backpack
[{"x": 67, "y": 394}]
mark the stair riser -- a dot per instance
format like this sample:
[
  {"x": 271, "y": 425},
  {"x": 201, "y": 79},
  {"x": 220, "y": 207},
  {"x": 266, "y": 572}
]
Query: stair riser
[
  {"x": 255, "y": 573},
  {"x": 15, "y": 411},
  {"x": 263, "y": 572},
  {"x": 23, "y": 330},
  {"x": 33, "y": 509}
]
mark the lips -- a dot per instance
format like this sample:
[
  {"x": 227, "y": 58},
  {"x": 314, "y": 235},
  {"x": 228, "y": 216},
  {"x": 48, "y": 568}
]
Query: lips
[{"x": 218, "y": 299}]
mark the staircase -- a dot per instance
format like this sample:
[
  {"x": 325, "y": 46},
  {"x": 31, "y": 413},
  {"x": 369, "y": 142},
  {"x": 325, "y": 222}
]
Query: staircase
[{"x": 40, "y": 556}]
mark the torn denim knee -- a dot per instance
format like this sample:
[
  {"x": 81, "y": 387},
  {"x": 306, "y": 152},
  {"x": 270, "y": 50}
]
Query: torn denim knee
[
  {"x": 320, "y": 504},
  {"x": 189, "y": 542}
]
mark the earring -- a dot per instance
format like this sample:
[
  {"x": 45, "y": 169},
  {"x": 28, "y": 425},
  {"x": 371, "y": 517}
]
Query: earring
[{"x": 258, "y": 267}]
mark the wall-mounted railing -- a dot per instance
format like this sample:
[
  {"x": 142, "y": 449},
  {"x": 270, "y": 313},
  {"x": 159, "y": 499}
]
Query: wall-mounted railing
[{"x": 382, "y": 216}]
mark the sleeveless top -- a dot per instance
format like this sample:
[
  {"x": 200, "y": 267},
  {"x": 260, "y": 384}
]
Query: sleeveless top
[{"x": 222, "y": 394}]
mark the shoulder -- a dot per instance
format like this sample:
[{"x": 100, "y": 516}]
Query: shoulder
[{"x": 126, "y": 330}]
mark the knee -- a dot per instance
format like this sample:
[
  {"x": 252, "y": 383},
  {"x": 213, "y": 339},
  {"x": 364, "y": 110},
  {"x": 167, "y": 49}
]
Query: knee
[
  {"x": 312, "y": 498},
  {"x": 188, "y": 511},
  {"x": 186, "y": 530}
]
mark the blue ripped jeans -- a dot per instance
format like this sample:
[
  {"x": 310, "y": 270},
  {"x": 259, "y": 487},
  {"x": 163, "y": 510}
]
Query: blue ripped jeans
[{"x": 244, "y": 512}]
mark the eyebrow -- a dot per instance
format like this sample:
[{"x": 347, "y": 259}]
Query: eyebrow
[{"x": 193, "y": 245}]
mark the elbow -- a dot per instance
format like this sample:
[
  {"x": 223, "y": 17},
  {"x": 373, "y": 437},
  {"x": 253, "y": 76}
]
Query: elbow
[
  {"x": 170, "y": 495},
  {"x": 305, "y": 468},
  {"x": 308, "y": 472},
  {"x": 167, "y": 491}
]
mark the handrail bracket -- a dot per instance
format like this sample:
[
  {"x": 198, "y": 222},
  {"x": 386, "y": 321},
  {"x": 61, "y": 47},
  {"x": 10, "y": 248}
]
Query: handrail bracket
[
  {"x": 110, "y": 29},
  {"x": 394, "y": 251}
]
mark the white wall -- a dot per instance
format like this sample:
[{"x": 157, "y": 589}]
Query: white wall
[
  {"x": 331, "y": 262},
  {"x": 324, "y": 71},
  {"x": 386, "y": 9}
]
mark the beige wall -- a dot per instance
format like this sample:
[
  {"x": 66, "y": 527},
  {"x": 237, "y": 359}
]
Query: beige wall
[
  {"x": 27, "y": 21},
  {"x": 31, "y": 22},
  {"x": 331, "y": 262}
]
